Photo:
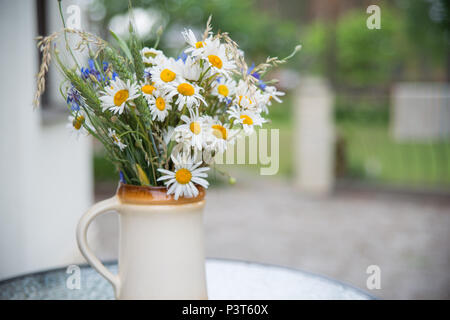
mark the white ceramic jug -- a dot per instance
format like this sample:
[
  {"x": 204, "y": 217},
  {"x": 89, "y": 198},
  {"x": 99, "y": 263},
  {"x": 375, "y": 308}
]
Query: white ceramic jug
[{"x": 161, "y": 248}]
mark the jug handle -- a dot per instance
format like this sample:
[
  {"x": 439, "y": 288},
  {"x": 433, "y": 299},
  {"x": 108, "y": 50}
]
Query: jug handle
[{"x": 82, "y": 228}]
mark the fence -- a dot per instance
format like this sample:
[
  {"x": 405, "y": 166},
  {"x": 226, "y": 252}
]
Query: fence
[{"x": 401, "y": 140}]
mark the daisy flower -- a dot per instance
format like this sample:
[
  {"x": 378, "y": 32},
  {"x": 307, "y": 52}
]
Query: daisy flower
[
  {"x": 246, "y": 102},
  {"x": 245, "y": 95},
  {"x": 168, "y": 134},
  {"x": 224, "y": 89},
  {"x": 117, "y": 94},
  {"x": 116, "y": 140},
  {"x": 76, "y": 125},
  {"x": 273, "y": 93},
  {"x": 191, "y": 69},
  {"x": 180, "y": 182},
  {"x": 196, "y": 47},
  {"x": 244, "y": 88},
  {"x": 147, "y": 89},
  {"x": 188, "y": 94},
  {"x": 166, "y": 71},
  {"x": 192, "y": 131},
  {"x": 151, "y": 56},
  {"x": 218, "y": 136},
  {"x": 247, "y": 118},
  {"x": 262, "y": 100},
  {"x": 159, "y": 104},
  {"x": 215, "y": 53}
]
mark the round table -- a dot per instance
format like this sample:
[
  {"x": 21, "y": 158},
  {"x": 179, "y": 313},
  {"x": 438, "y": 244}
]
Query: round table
[{"x": 227, "y": 279}]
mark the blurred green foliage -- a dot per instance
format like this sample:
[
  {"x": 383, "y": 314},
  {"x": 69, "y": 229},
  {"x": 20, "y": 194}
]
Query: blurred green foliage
[
  {"x": 367, "y": 57},
  {"x": 427, "y": 25},
  {"x": 363, "y": 57},
  {"x": 368, "y": 112},
  {"x": 314, "y": 46},
  {"x": 373, "y": 155},
  {"x": 104, "y": 170},
  {"x": 257, "y": 32},
  {"x": 412, "y": 44}
]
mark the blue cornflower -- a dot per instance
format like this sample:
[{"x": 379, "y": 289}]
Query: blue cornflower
[
  {"x": 147, "y": 75},
  {"x": 183, "y": 56},
  {"x": 121, "y": 177},
  {"x": 257, "y": 76},
  {"x": 109, "y": 75},
  {"x": 249, "y": 71},
  {"x": 86, "y": 73},
  {"x": 74, "y": 99},
  {"x": 91, "y": 71},
  {"x": 91, "y": 64},
  {"x": 262, "y": 85}
]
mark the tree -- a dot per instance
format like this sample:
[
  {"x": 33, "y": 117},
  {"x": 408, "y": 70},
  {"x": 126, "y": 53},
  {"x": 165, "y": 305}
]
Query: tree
[{"x": 428, "y": 26}]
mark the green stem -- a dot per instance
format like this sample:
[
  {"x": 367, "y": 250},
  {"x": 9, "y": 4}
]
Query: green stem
[
  {"x": 203, "y": 74},
  {"x": 148, "y": 141},
  {"x": 132, "y": 131}
]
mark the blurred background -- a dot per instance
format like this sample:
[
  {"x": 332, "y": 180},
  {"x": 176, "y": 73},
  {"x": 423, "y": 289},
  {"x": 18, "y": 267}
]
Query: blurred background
[{"x": 364, "y": 132}]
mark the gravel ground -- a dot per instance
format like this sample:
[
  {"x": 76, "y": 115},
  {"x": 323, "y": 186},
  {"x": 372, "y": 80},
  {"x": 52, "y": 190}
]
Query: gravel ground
[
  {"x": 338, "y": 236},
  {"x": 266, "y": 220}
]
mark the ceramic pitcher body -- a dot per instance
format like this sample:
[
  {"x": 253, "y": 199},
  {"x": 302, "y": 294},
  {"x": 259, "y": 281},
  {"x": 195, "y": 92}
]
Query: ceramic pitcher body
[{"x": 161, "y": 246}]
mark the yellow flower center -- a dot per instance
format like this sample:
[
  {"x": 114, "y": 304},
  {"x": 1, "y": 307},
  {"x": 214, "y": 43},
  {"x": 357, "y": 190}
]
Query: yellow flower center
[
  {"x": 120, "y": 97},
  {"x": 183, "y": 176},
  {"x": 148, "y": 89},
  {"x": 78, "y": 122},
  {"x": 246, "y": 119},
  {"x": 220, "y": 132},
  {"x": 245, "y": 97},
  {"x": 223, "y": 90},
  {"x": 167, "y": 75},
  {"x": 160, "y": 103},
  {"x": 186, "y": 89},
  {"x": 215, "y": 61},
  {"x": 195, "y": 127},
  {"x": 199, "y": 44}
]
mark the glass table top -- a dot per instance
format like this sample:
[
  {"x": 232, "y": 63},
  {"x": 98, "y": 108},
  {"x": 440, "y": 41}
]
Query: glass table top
[{"x": 226, "y": 279}]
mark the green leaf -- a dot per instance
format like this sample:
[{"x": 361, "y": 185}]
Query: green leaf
[{"x": 122, "y": 45}]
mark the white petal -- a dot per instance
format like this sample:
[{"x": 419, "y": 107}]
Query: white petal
[
  {"x": 201, "y": 182},
  {"x": 166, "y": 171}
]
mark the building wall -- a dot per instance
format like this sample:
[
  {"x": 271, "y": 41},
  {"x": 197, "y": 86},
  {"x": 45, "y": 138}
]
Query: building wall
[{"x": 45, "y": 177}]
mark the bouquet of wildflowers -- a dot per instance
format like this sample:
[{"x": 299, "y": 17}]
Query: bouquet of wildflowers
[{"x": 162, "y": 120}]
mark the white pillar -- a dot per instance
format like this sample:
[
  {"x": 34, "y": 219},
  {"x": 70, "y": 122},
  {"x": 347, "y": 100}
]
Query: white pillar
[{"x": 314, "y": 137}]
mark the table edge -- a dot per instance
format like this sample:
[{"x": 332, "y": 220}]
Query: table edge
[{"x": 219, "y": 259}]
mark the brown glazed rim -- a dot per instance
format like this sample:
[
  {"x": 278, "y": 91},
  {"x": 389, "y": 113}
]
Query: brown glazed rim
[{"x": 131, "y": 194}]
